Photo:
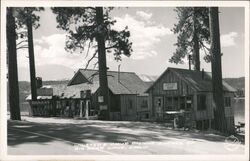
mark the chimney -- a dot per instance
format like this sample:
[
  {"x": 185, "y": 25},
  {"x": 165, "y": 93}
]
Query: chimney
[
  {"x": 189, "y": 61},
  {"x": 39, "y": 82},
  {"x": 202, "y": 74},
  {"x": 119, "y": 72}
]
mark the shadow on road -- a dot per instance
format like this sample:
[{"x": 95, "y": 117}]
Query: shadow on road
[{"x": 98, "y": 131}]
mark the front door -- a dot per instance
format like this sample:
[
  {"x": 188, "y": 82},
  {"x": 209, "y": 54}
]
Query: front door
[{"x": 158, "y": 104}]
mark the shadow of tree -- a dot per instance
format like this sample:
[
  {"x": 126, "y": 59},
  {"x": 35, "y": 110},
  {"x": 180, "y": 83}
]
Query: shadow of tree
[{"x": 21, "y": 132}]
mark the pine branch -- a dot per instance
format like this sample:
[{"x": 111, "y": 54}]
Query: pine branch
[
  {"x": 22, "y": 47},
  {"x": 204, "y": 46},
  {"x": 96, "y": 63},
  {"x": 94, "y": 56},
  {"x": 88, "y": 50},
  {"x": 21, "y": 42},
  {"x": 110, "y": 47}
]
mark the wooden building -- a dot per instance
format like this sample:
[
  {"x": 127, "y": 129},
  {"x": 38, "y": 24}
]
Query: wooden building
[
  {"x": 188, "y": 91},
  {"x": 126, "y": 95}
]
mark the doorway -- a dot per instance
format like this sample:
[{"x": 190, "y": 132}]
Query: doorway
[{"x": 158, "y": 104}]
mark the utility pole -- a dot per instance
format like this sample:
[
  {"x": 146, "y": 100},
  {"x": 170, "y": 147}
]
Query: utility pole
[
  {"x": 103, "y": 81},
  {"x": 220, "y": 119},
  {"x": 12, "y": 66},
  {"x": 189, "y": 61}
]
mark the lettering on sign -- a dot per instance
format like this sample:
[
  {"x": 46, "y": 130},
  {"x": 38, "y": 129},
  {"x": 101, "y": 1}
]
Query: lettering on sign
[
  {"x": 103, "y": 107},
  {"x": 169, "y": 86},
  {"x": 100, "y": 99}
]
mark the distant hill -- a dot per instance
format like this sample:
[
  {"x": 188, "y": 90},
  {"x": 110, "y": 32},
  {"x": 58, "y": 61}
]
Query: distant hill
[
  {"x": 47, "y": 72},
  {"x": 148, "y": 78},
  {"x": 24, "y": 87},
  {"x": 237, "y": 83}
]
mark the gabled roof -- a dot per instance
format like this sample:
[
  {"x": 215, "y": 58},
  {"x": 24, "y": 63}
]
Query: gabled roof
[
  {"x": 194, "y": 79},
  {"x": 129, "y": 82},
  {"x": 64, "y": 91}
]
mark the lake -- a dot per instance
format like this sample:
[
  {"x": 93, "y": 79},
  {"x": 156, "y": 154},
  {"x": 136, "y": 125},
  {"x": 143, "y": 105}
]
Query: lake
[{"x": 239, "y": 110}]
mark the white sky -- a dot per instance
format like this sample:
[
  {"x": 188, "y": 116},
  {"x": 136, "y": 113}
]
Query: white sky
[{"x": 152, "y": 44}]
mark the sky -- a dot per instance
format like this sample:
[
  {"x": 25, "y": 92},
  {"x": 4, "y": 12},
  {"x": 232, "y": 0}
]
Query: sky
[{"x": 152, "y": 40}]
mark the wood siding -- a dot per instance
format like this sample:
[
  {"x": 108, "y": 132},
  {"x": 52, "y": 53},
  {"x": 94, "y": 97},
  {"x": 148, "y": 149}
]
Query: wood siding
[
  {"x": 128, "y": 107},
  {"x": 208, "y": 112},
  {"x": 182, "y": 87}
]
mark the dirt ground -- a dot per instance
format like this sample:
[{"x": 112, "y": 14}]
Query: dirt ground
[{"x": 58, "y": 136}]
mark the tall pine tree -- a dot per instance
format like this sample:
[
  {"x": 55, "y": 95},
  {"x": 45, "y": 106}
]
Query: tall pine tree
[
  {"x": 26, "y": 19},
  {"x": 220, "y": 119},
  {"x": 12, "y": 66},
  {"x": 192, "y": 29}
]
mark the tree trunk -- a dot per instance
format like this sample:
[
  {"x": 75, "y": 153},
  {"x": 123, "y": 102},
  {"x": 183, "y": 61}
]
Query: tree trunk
[
  {"x": 196, "y": 48},
  {"x": 12, "y": 67},
  {"x": 220, "y": 119},
  {"x": 103, "y": 81},
  {"x": 31, "y": 60}
]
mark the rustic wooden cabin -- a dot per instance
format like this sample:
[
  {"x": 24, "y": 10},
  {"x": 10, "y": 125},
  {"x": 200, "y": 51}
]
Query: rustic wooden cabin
[
  {"x": 188, "y": 91},
  {"x": 126, "y": 94}
]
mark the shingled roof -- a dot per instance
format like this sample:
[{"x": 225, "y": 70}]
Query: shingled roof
[
  {"x": 129, "y": 82},
  {"x": 195, "y": 80},
  {"x": 64, "y": 91}
]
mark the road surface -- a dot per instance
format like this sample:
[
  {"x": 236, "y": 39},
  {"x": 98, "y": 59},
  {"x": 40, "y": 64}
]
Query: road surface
[{"x": 56, "y": 136}]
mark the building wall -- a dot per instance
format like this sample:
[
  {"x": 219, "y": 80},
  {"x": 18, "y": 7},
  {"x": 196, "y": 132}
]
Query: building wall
[
  {"x": 128, "y": 107},
  {"x": 143, "y": 111},
  {"x": 207, "y": 113},
  {"x": 182, "y": 87},
  {"x": 205, "y": 116}
]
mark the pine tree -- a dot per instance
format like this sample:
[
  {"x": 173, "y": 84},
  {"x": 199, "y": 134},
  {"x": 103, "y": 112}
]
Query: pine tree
[
  {"x": 220, "y": 120},
  {"x": 12, "y": 66},
  {"x": 88, "y": 26},
  {"x": 192, "y": 29},
  {"x": 26, "y": 19}
]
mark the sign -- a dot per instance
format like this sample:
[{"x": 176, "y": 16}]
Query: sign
[
  {"x": 103, "y": 107},
  {"x": 100, "y": 99},
  {"x": 45, "y": 92},
  {"x": 169, "y": 86},
  {"x": 189, "y": 101}
]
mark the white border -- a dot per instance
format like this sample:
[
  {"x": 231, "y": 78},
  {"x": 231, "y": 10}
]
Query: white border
[{"x": 46, "y": 3}]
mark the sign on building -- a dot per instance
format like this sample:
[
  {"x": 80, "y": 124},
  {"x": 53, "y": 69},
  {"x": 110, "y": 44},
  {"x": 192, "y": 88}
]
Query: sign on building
[
  {"x": 169, "y": 86},
  {"x": 103, "y": 107},
  {"x": 100, "y": 99},
  {"x": 45, "y": 91}
]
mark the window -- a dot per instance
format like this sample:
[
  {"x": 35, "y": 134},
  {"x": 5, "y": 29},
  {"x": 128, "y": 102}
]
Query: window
[
  {"x": 182, "y": 103},
  {"x": 168, "y": 103},
  {"x": 67, "y": 103},
  {"x": 144, "y": 104},
  {"x": 175, "y": 99},
  {"x": 159, "y": 102},
  {"x": 130, "y": 104},
  {"x": 201, "y": 102},
  {"x": 189, "y": 103},
  {"x": 227, "y": 102}
]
